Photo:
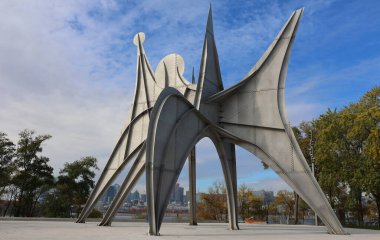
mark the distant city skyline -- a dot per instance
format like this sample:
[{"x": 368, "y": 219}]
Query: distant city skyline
[{"x": 179, "y": 196}]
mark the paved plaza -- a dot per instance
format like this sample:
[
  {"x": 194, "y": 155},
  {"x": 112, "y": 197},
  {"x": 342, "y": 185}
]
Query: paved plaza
[{"x": 49, "y": 230}]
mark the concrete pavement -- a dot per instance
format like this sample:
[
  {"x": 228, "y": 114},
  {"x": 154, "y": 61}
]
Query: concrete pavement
[{"x": 49, "y": 230}]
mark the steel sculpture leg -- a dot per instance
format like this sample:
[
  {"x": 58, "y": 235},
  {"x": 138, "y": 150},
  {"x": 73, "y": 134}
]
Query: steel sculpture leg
[
  {"x": 106, "y": 179},
  {"x": 192, "y": 188},
  {"x": 227, "y": 157},
  {"x": 133, "y": 176},
  {"x": 302, "y": 182}
]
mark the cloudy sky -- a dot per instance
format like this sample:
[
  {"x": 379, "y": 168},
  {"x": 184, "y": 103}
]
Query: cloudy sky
[{"x": 67, "y": 68}]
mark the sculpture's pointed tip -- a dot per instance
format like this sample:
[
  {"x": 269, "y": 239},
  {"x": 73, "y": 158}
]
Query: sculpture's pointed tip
[
  {"x": 209, "y": 26},
  {"x": 299, "y": 10},
  {"x": 297, "y": 14}
]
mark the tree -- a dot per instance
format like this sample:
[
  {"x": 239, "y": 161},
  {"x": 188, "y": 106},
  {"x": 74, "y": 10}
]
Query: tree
[
  {"x": 352, "y": 138},
  {"x": 354, "y": 166},
  {"x": 33, "y": 176},
  {"x": 250, "y": 205},
  {"x": 347, "y": 150},
  {"x": 285, "y": 200},
  {"x": 329, "y": 158},
  {"x": 367, "y": 127},
  {"x": 7, "y": 152},
  {"x": 72, "y": 188},
  {"x": 213, "y": 205}
]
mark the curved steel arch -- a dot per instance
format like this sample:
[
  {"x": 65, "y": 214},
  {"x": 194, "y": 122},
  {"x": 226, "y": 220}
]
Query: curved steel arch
[{"x": 169, "y": 141}]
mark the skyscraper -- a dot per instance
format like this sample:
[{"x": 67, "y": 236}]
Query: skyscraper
[{"x": 111, "y": 193}]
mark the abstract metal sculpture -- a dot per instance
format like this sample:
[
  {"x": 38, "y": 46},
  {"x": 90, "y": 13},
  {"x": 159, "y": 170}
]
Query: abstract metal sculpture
[{"x": 169, "y": 116}]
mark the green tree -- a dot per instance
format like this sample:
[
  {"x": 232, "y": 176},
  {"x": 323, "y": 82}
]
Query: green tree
[
  {"x": 366, "y": 127},
  {"x": 33, "y": 175},
  {"x": 7, "y": 152},
  {"x": 347, "y": 150},
  {"x": 329, "y": 162},
  {"x": 354, "y": 166},
  {"x": 353, "y": 138},
  {"x": 72, "y": 188}
]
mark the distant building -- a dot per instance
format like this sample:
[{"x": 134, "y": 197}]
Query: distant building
[
  {"x": 135, "y": 195},
  {"x": 172, "y": 195},
  {"x": 110, "y": 193},
  {"x": 143, "y": 197},
  {"x": 187, "y": 197},
  {"x": 128, "y": 199},
  {"x": 177, "y": 195},
  {"x": 267, "y": 196}
]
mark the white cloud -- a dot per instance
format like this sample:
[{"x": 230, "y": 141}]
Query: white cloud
[
  {"x": 274, "y": 185},
  {"x": 47, "y": 82},
  {"x": 303, "y": 111}
]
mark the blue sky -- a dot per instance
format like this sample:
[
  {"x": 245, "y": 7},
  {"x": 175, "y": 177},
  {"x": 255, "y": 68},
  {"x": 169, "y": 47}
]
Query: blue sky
[{"x": 67, "y": 68}]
